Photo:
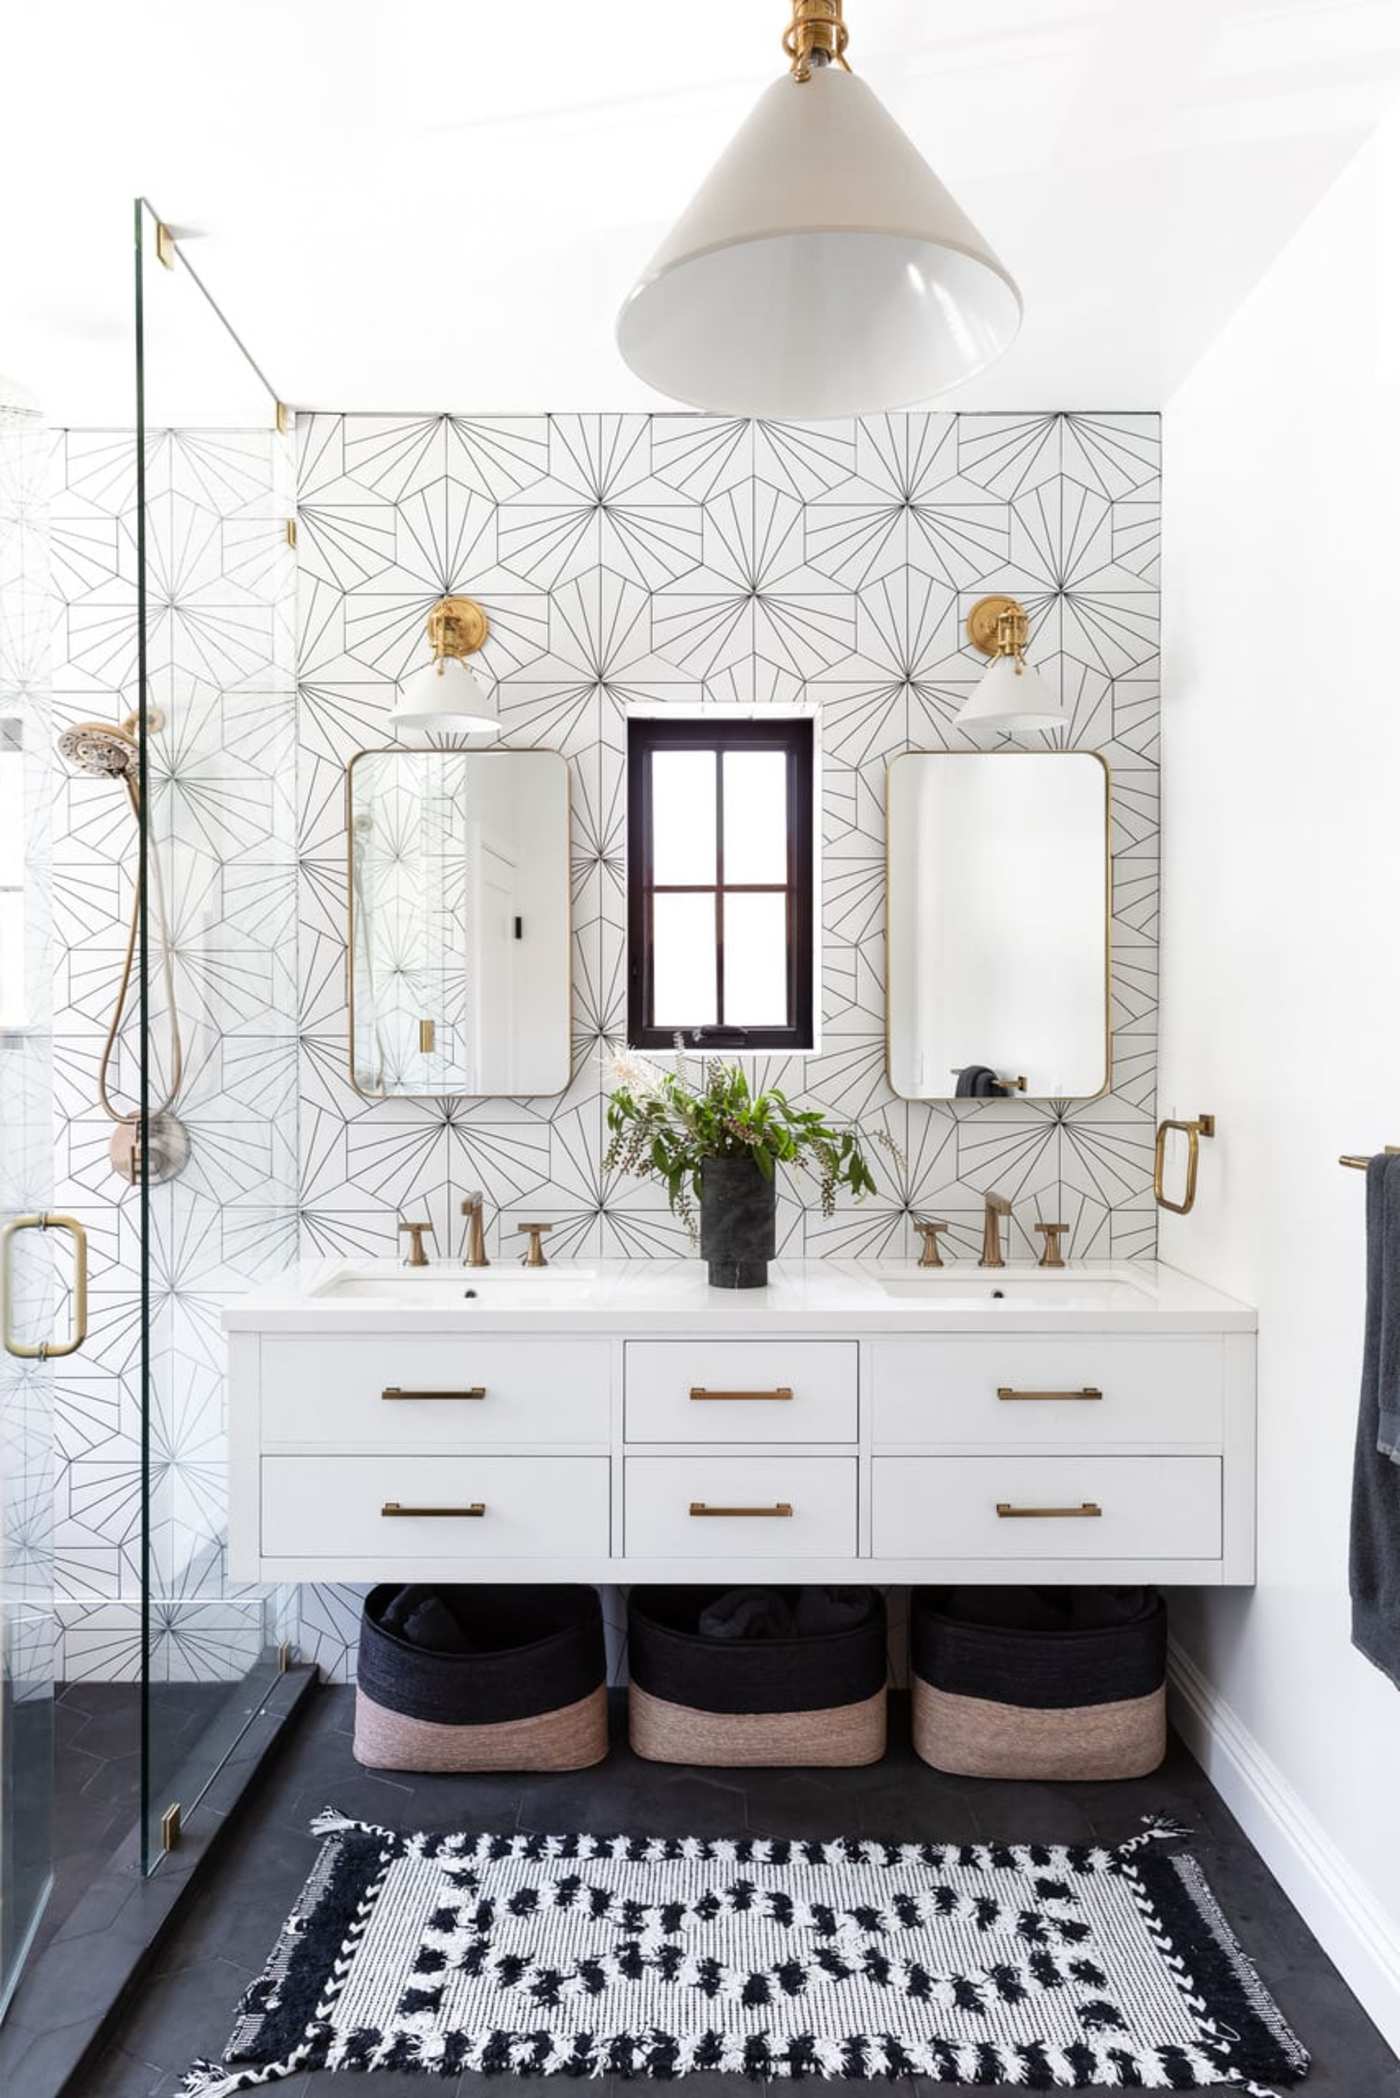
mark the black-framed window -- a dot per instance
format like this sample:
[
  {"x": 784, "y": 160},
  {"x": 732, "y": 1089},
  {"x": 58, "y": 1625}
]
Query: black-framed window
[{"x": 719, "y": 883}]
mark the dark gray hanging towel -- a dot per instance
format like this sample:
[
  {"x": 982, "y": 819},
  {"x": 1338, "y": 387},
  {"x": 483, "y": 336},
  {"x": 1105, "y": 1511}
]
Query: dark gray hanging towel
[
  {"x": 979, "y": 1082},
  {"x": 1375, "y": 1494}
]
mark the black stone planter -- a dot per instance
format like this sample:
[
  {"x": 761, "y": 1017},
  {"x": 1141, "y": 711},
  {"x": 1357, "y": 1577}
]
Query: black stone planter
[{"x": 738, "y": 1223}]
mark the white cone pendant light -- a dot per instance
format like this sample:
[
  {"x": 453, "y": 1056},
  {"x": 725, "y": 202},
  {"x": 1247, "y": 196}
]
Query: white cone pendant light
[
  {"x": 1010, "y": 697},
  {"x": 446, "y": 702},
  {"x": 822, "y": 269}
]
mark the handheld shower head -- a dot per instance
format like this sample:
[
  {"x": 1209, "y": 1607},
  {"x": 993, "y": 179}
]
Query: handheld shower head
[{"x": 99, "y": 750}]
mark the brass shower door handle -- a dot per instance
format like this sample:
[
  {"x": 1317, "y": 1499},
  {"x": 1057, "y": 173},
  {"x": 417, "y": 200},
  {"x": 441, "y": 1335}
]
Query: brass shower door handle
[{"x": 46, "y": 1350}]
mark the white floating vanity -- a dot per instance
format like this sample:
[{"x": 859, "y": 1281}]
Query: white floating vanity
[{"x": 624, "y": 1422}]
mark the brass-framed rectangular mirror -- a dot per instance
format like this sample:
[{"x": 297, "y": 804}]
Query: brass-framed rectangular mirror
[
  {"x": 999, "y": 908},
  {"x": 459, "y": 923}
]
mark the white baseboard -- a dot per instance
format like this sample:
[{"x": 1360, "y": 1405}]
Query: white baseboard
[{"x": 1341, "y": 1912}]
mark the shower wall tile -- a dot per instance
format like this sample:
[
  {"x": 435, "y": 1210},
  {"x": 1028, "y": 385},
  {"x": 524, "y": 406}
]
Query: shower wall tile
[
  {"x": 687, "y": 561},
  {"x": 223, "y": 824}
]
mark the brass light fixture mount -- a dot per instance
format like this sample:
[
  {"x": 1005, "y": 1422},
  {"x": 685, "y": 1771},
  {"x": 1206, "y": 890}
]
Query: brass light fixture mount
[
  {"x": 816, "y": 32},
  {"x": 999, "y": 626},
  {"x": 457, "y": 626}
]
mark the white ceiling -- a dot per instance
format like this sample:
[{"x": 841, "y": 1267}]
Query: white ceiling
[{"x": 411, "y": 204}]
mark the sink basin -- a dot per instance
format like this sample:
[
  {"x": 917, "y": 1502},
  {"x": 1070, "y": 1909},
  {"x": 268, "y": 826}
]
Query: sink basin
[
  {"x": 444, "y": 1284},
  {"x": 1074, "y": 1290}
]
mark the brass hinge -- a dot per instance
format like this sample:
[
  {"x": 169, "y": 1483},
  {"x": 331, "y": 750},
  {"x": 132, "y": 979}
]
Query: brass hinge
[
  {"x": 284, "y": 1657},
  {"x": 170, "y": 1828},
  {"x": 165, "y": 246},
  {"x": 284, "y": 419}
]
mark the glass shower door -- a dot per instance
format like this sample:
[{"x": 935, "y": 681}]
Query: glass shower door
[
  {"x": 215, "y": 1047},
  {"x": 28, "y": 1279}
]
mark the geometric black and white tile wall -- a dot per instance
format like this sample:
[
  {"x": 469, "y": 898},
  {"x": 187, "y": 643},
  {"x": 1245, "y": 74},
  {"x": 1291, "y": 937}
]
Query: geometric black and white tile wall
[
  {"x": 677, "y": 560},
  {"x": 680, "y": 560},
  {"x": 624, "y": 561},
  {"x": 221, "y": 662}
]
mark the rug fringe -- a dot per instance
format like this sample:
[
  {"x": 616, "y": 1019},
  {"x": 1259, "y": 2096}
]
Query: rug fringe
[
  {"x": 209, "y": 2080},
  {"x": 331, "y": 1822}
]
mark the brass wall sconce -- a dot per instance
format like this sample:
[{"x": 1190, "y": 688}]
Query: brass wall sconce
[
  {"x": 1010, "y": 696},
  {"x": 447, "y": 699},
  {"x": 1203, "y": 1125}
]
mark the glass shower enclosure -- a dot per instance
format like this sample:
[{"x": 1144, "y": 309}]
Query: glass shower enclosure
[
  {"x": 148, "y": 1095},
  {"x": 212, "y": 1040}
]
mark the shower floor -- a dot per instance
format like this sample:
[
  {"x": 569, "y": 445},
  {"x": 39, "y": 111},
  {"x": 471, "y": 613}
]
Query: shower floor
[
  {"x": 185, "y": 2007},
  {"x": 97, "y": 1771}
]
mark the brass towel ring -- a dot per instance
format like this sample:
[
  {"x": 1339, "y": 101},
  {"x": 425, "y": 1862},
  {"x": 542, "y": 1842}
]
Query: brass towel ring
[{"x": 1204, "y": 1125}]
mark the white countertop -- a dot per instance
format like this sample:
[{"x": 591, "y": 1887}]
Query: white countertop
[{"x": 673, "y": 1296}]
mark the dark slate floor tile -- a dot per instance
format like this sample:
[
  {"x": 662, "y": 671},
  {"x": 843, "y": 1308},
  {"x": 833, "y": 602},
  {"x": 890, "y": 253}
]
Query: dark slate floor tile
[
  {"x": 187, "y": 2010},
  {"x": 120, "y": 2075},
  {"x": 185, "y": 2016}
]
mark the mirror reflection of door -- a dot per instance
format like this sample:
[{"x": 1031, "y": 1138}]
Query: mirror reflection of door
[{"x": 459, "y": 923}]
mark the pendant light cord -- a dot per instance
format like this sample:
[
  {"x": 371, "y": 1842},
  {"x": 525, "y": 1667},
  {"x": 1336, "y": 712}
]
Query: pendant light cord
[{"x": 817, "y": 34}]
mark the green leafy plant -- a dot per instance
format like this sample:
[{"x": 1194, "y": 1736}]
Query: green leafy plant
[{"x": 664, "y": 1127}]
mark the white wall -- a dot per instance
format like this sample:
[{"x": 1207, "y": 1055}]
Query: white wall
[{"x": 1281, "y": 1001}]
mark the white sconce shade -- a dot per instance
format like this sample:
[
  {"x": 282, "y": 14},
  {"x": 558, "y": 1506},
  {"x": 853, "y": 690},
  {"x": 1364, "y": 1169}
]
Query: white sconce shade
[
  {"x": 821, "y": 270},
  {"x": 1009, "y": 695},
  {"x": 446, "y": 702},
  {"x": 1012, "y": 697}
]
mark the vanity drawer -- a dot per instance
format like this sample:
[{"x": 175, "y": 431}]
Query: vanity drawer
[
  {"x": 818, "y": 1492},
  {"x": 532, "y": 1507},
  {"x": 383, "y": 1392},
  {"x": 741, "y": 1391},
  {"x": 1152, "y": 1391},
  {"x": 946, "y": 1507}
]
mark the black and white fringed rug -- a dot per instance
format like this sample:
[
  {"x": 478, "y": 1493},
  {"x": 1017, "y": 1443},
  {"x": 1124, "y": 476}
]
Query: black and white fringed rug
[{"x": 1030, "y": 1964}]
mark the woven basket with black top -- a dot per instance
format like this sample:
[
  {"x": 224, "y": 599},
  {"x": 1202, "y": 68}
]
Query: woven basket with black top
[
  {"x": 1036, "y": 1683},
  {"x": 816, "y": 1698},
  {"x": 524, "y": 1688}
]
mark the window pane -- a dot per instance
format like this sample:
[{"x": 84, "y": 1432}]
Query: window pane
[
  {"x": 755, "y": 961},
  {"x": 683, "y": 793},
  {"x": 755, "y": 815},
  {"x": 683, "y": 961}
]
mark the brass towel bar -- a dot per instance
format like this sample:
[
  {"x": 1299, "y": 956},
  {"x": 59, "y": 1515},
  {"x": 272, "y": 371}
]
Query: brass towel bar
[{"x": 1354, "y": 1158}]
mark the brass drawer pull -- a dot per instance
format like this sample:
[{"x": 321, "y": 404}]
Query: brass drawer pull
[
  {"x": 397, "y": 1508},
  {"x": 781, "y": 1391},
  {"x": 1086, "y": 1391},
  {"x": 396, "y": 1391},
  {"x": 1007, "y": 1508},
  {"x": 704, "y": 1508}
]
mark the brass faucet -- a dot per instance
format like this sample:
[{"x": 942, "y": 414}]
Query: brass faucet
[
  {"x": 533, "y": 1257},
  {"x": 474, "y": 1206},
  {"x": 417, "y": 1258},
  {"x": 995, "y": 1207}
]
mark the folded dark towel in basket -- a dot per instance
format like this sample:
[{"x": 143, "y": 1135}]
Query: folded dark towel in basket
[
  {"x": 1047, "y": 1609},
  {"x": 421, "y": 1618},
  {"x": 778, "y": 1613}
]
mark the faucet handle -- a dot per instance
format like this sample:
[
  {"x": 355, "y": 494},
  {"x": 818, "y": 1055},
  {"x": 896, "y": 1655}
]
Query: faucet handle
[
  {"x": 533, "y": 1256},
  {"x": 932, "y": 1256},
  {"x": 1052, "y": 1257},
  {"x": 417, "y": 1258}
]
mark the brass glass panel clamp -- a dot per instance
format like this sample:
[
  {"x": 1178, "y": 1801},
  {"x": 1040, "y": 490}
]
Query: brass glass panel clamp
[
  {"x": 932, "y": 1255},
  {"x": 1204, "y": 1125},
  {"x": 533, "y": 1256},
  {"x": 416, "y": 1257}
]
